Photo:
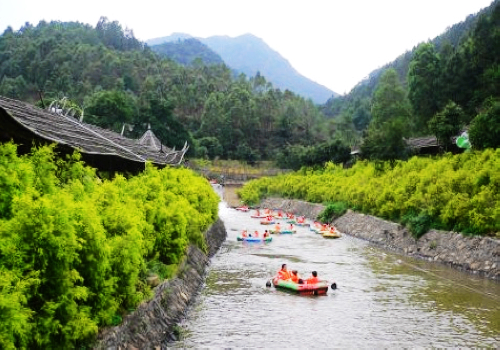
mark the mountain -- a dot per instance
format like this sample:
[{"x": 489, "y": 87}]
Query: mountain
[
  {"x": 187, "y": 51},
  {"x": 249, "y": 54}
]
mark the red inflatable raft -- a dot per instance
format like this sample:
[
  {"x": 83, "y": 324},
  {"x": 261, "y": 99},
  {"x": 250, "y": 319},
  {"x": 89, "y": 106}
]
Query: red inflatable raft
[{"x": 319, "y": 288}]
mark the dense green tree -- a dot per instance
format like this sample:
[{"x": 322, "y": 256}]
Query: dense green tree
[
  {"x": 13, "y": 87},
  {"x": 424, "y": 85},
  {"x": 389, "y": 100},
  {"x": 211, "y": 146},
  {"x": 295, "y": 157},
  {"x": 386, "y": 144},
  {"x": 390, "y": 121},
  {"x": 110, "y": 109},
  {"x": 446, "y": 124},
  {"x": 484, "y": 131}
]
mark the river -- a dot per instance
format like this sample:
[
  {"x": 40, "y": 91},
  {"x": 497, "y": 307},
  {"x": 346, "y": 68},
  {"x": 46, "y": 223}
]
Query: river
[{"x": 382, "y": 300}]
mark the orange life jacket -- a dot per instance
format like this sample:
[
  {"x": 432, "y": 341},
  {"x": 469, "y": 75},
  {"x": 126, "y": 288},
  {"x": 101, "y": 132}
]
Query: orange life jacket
[
  {"x": 312, "y": 280},
  {"x": 294, "y": 278},
  {"x": 283, "y": 275}
]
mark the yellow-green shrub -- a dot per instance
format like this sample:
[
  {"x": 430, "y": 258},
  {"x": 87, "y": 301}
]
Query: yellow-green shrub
[
  {"x": 75, "y": 249},
  {"x": 456, "y": 192}
]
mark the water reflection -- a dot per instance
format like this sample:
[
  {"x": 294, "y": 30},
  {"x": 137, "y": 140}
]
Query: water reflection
[
  {"x": 442, "y": 289},
  {"x": 383, "y": 299}
]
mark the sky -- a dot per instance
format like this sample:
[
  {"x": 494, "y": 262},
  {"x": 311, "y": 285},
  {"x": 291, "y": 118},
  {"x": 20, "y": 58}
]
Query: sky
[{"x": 335, "y": 43}]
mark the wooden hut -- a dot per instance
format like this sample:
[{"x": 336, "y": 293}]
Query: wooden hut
[{"x": 103, "y": 149}]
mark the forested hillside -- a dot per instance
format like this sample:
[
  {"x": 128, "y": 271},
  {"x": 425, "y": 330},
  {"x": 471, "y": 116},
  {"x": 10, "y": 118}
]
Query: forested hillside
[
  {"x": 116, "y": 79},
  {"x": 460, "y": 66},
  {"x": 187, "y": 51}
]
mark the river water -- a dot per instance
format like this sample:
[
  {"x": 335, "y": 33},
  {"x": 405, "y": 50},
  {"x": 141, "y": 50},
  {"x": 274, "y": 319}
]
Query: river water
[{"x": 382, "y": 300}]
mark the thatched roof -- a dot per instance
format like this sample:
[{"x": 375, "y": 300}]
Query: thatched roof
[
  {"x": 422, "y": 142},
  {"x": 418, "y": 145},
  {"x": 22, "y": 122}
]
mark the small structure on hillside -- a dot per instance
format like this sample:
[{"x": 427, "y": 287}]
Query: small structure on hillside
[
  {"x": 107, "y": 150},
  {"x": 427, "y": 145}
]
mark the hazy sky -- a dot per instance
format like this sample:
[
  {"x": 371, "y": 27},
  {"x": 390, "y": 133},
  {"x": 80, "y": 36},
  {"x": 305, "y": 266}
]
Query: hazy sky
[{"x": 333, "y": 42}]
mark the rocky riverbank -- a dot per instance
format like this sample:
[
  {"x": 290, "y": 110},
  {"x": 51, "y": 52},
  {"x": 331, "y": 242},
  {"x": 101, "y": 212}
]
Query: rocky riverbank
[
  {"x": 476, "y": 255},
  {"x": 154, "y": 321}
]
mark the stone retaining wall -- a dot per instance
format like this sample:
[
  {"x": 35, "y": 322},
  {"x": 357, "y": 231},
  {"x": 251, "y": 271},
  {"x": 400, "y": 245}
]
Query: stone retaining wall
[
  {"x": 153, "y": 322},
  {"x": 477, "y": 255}
]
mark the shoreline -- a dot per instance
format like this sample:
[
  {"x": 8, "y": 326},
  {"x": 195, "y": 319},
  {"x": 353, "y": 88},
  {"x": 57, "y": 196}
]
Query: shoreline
[
  {"x": 154, "y": 321},
  {"x": 476, "y": 255}
]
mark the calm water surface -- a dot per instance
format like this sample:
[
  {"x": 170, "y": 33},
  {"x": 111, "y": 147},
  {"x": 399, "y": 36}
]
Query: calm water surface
[{"x": 382, "y": 300}]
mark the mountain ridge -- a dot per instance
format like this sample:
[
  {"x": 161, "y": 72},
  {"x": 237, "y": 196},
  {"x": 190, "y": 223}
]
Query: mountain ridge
[{"x": 236, "y": 51}]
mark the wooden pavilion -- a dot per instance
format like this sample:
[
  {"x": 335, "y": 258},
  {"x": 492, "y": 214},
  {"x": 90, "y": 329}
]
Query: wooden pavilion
[{"x": 103, "y": 149}]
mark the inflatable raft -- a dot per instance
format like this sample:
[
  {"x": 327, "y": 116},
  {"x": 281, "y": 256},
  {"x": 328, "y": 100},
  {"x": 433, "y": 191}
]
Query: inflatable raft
[
  {"x": 261, "y": 216},
  {"x": 328, "y": 234},
  {"x": 319, "y": 288},
  {"x": 283, "y": 232},
  {"x": 254, "y": 239},
  {"x": 302, "y": 224},
  {"x": 267, "y": 222},
  {"x": 243, "y": 208}
]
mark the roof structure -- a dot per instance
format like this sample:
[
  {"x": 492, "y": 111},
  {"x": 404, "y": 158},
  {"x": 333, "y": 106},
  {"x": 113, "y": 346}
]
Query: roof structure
[
  {"x": 422, "y": 142},
  {"x": 25, "y": 123},
  {"x": 418, "y": 145}
]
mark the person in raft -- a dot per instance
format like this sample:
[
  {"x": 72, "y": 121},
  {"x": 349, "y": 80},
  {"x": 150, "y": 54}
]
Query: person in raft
[
  {"x": 277, "y": 227},
  {"x": 313, "y": 279},
  {"x": 266, "y": 234},
  {"x": 283, "y": 274},
  {"x": 256, "y": 233},
  {"x": 295, "y": 277},
  {"x": 244, "y": 233}
]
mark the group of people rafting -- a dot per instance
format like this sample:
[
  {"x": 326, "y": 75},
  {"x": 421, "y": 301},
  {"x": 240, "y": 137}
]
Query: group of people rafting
[
  {"x": 255, "y": 234},
  {"x": 286, "y": 275},
  {"x": 269, "y": 214},
  {"x": 322, "y": 228}
]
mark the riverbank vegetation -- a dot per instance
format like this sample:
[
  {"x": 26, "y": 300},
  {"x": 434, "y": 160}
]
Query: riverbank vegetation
[
  {"x": 452, "y": 192},
  {"x": 76, "y": 250}
]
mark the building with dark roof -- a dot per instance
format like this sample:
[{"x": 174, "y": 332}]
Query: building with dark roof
[{"x": 25, "y": 125}]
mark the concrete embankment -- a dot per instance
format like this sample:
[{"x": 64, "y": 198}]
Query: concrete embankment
[
  {"x": 476, "y": 255},
  {"x": 154, "y": 321}
]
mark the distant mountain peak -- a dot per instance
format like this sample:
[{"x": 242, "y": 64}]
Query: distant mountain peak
[
  {"x": 167, "y": 39},
  {"x": 250, "y": 54}
]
